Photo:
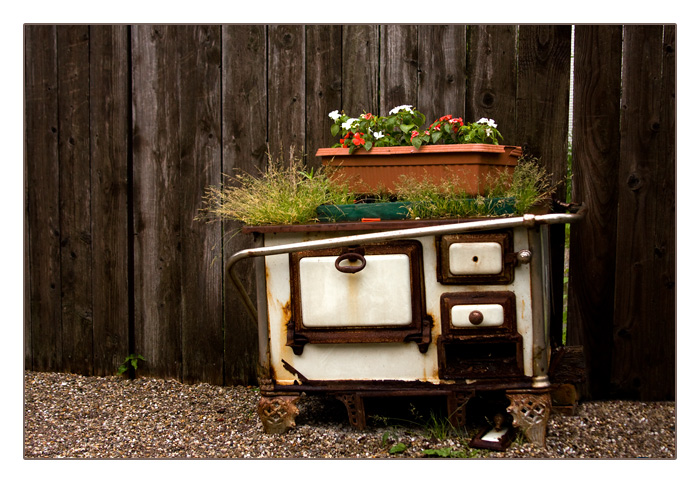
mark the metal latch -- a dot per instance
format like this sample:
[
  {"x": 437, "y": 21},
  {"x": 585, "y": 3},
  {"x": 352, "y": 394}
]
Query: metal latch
[{"x": 522, "y": 257}]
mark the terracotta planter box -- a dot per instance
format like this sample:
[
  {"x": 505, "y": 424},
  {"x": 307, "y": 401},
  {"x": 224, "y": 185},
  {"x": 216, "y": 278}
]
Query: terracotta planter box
[{"x": 369, "y": 171}]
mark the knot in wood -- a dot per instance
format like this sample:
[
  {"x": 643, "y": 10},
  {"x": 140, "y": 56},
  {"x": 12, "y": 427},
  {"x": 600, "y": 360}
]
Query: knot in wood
[{"x": 634, "y": 182}]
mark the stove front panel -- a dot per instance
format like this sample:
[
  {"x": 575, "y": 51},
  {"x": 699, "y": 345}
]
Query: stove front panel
[{"x": 384, "y": 297}]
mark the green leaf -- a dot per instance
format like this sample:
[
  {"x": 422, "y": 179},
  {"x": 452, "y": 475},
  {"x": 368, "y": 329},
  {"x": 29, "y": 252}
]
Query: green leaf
[
  {"x": 407, "y": 127},
  {"x": 334, "y": 129},
  {"x": 444, "y": 453},
  {"x": 398, "y": 448},
  {"x": 368, "y": 145},
  {"x": 416, "y": 141},
  {"x": 435, "y": 137},
  {"x": 385, "y": 438}
]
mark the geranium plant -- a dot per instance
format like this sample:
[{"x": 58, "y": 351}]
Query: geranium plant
[{"x": 403, "y": 127}]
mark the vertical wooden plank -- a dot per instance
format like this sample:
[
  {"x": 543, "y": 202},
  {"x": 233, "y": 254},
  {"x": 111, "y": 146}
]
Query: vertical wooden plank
[
  {"x": 360, "y": 69},
  {"x": 26, "y": 259},
  {"x": 398, "y": 69},
  {"x": 542, "y": 112},
  {"x": 596, "y": 159},
  {"x": 74, "y": 178},
  {"x": 491, "y": 77},
  {"x": 244, "y": 126},
  {"x": 41, "y": 151},
  {"x": 157, "y": 219},
  {"x": 544, "y": 55},
  {"x": 286, "y": 90},
  {"x": 442, "y": 64},
  {"x": 200, "y": 167},
  {"x": 663, "y": 359},
  {"x": 323, "y": 86},
  {"x": 110, "y": 101},
  {"x": 640, "y": 369}
]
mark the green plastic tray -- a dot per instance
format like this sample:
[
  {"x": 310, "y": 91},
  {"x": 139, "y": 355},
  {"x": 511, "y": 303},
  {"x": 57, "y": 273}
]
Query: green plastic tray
[{"x": 398, "y": 210}]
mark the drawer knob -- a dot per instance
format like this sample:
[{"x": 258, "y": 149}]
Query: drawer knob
[
  {"x": 476, "y": 317},
  {"x": 524, "y": 256}
]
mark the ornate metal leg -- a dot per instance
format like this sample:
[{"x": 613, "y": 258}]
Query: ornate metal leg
[
  {"x": 277, "y": 413},
  {"x": 530, "y": 412},
  {"x": 457, "y": 408},
  {"x": 356, "y": 409}
]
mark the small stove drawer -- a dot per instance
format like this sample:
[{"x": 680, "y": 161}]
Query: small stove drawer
[
  {"x": 479, "y": 336},
  {"x": 480, "y": 358},
  {"x": 482, "y": 258},
  {"x": 475, "y": 258},
  {"x": 475, "y": 313}
]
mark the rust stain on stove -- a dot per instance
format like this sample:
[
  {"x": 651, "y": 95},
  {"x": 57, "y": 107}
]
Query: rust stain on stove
[{"x": 287, "y": 311}]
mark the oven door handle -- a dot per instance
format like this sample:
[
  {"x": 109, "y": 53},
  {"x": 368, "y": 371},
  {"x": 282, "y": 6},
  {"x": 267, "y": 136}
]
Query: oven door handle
[{"x": 351, "y": 257}]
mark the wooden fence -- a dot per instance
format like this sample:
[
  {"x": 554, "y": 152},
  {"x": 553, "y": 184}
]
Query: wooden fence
[{"x": 125, "y": 126}]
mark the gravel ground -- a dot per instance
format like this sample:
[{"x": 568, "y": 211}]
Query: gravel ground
[{"x": 69, "y": 416}]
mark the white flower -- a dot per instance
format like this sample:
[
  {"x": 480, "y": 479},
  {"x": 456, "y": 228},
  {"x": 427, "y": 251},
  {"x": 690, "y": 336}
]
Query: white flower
[
  {"x": 348, "y": 124},
  {"x": 488, "y": 132},
  {"x": 377, "y": 135},
  {"x": 405, "y": 107},
  {"x": 334, "y": 115},
  {"x": 489, "y": 122}
]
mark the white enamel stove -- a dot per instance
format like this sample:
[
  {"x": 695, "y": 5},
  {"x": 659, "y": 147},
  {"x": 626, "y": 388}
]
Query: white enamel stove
[{"x": 362, "y": 310}]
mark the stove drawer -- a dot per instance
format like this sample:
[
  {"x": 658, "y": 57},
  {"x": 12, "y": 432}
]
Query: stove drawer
[
  {"x": 477, "y": 258},
  {"x": 480, "y": 358},
  {"x": 479, "y": 336},
  {"x": 475, "y": 313}
]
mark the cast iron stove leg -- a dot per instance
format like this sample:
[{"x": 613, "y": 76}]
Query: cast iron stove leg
[
  {"x": 278, "y": 413},
  {"x": 457, "y": 408},
  {"x": 530, "y": 412},
  {"x": 356, "y": 409}
]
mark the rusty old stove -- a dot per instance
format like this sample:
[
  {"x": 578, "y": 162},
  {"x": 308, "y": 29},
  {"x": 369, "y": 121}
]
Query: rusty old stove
[{"x": 412, "y": 308}]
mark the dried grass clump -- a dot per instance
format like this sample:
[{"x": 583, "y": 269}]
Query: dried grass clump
[
  {"x": 444, "y": 198},
  {"x": 285, "y": 193},
  {"x": 530, "y": 185}
]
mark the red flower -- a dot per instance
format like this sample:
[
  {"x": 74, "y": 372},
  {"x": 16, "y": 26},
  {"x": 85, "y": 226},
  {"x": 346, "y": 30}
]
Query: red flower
[
  {"x": 357, "y": 139},
  {"x": 456, "y": 123},
  {"x": 446, "y": 118},
  {"x": 367, "y": 116},
  {"x": 414, "y": 134}
]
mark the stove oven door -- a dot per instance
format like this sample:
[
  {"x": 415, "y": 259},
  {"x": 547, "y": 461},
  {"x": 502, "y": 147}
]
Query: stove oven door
[{"x": 371, "y": 293}]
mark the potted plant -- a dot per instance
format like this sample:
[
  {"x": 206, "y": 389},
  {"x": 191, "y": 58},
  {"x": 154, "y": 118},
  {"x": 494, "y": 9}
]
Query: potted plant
[
  {"x": 287, "y": 192},
  {"x": 374, "y": 151}
]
